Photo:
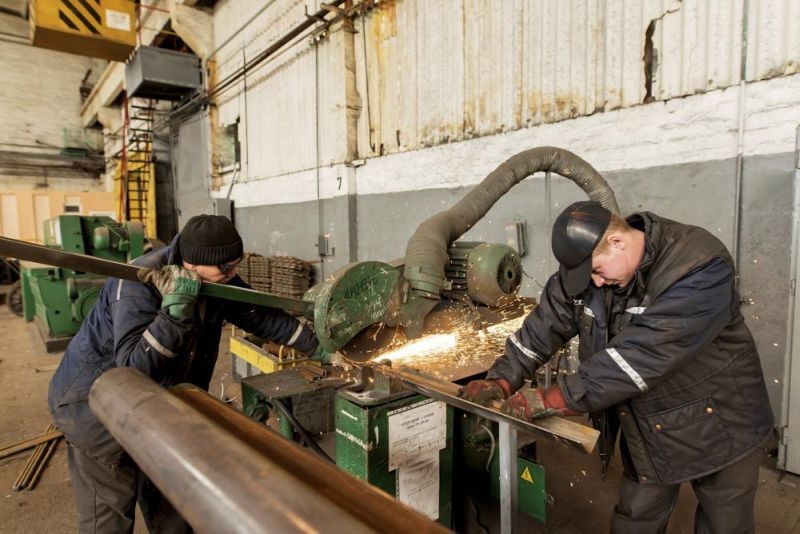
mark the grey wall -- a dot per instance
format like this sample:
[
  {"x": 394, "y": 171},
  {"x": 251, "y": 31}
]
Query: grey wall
[{"x": 292, "y": 230}]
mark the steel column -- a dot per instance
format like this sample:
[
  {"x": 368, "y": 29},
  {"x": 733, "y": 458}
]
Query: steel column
[{"x": 508, "y": 478}]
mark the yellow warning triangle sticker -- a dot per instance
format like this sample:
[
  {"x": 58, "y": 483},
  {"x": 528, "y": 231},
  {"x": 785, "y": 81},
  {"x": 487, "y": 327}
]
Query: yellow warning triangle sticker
[{"x": 526, "y": 475}]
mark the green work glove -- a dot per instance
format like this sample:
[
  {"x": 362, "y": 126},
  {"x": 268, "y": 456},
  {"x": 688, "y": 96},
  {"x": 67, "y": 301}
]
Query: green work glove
[
  {"x": 321, "y": 355},
  {"x": 178, "y": 287}
]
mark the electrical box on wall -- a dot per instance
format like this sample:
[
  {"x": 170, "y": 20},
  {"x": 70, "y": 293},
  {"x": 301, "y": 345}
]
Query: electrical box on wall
[
  {"x": 162, "y": 74},
  {"x": 97, "y": 28}
]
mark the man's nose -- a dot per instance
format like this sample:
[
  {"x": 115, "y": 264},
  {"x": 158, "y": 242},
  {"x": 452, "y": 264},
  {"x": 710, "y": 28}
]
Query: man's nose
[{"x": 598, "y": 280}]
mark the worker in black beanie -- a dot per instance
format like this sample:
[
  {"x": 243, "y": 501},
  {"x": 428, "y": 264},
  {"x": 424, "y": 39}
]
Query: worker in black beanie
[{"x": 162, "y": 328}]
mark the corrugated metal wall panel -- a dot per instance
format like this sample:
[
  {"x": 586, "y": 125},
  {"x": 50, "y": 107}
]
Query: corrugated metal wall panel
[
  {"x": 529, "y": 62},
  {"x": 429, "y": 73},
  {"x": 277, "y": 102},
  {"x": 773, "y": 38}
]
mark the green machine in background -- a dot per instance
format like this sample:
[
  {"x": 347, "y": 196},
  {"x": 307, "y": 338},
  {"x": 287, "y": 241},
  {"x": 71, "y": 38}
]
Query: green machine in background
[{"x": 57, "y": 299}]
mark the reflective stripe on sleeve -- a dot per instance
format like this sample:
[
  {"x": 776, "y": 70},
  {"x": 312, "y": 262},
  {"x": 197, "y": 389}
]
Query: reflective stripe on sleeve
[
  {"x": 636, "y": 310},
  {"x": 625, "y": 366},
  {"x": 526, "y": 351},
  {"x": 295, "y": 335},
  {"x": 156, "y": 345}
]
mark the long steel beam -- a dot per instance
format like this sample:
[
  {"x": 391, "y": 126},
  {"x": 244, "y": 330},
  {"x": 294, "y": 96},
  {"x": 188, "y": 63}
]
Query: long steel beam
[
  {"x": 575, "y": 435},
  {"x": 14, "y": 248},
  {"x": 225, "y": 475}
]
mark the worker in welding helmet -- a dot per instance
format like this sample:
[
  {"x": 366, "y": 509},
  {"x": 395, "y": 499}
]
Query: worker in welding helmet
[
  {"x": 166, "y": 330},
  {"x": 665, "y": 357}
]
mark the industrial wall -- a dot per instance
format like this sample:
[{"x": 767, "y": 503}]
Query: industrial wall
[
  {"x": 23, "y": 212},
  {"x": 42, "y": 140},
  {"x": 364, "y": 131}
]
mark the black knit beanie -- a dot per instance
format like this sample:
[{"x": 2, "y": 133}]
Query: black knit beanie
[{"x": 210, "y": 240}]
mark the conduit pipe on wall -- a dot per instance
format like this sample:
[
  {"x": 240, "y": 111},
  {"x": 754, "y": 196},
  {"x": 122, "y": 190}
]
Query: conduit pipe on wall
[
  {"x": 737, "y": 202},
  {"x": 426, "y": 253}
]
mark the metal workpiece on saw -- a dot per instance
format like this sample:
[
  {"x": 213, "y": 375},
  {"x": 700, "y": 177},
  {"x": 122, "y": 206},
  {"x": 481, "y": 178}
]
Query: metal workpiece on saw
[{"x": 14, "y": 248}]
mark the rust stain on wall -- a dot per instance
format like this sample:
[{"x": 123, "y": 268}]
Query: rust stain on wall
[{"x": 385, "y": 25}]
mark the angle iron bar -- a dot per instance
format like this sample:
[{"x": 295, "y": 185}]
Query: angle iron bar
[
  {"x": 29, "y": 443},
  {"x": 448, "y": 392},
  {"x": 14, "y": 248}
]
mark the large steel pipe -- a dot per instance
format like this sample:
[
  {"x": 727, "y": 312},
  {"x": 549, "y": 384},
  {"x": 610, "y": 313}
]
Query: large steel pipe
[
  {"x": 217, "y": 482},
  {"x": 372, "y": 506}
]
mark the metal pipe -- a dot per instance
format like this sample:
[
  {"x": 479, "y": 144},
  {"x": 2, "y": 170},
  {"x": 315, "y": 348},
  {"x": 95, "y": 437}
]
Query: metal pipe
[
  {"x": 508, "y": 478},
  {"x": 548, "y": 249},
  {"x": 218, "y": 483},
  {"x": 789, "y": 365},
  {"x": 211, "y": 92},
  {"x": 34, "y": 477},
  {"x": 369, "y": 504},
  {"x": 237, "y": 32},
  {"x": 31, "y": 442},
  {"x": 737, "y": 203}
]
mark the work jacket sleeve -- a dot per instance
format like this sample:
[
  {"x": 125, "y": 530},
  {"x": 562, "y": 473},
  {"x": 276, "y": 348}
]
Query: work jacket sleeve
[
  {"x": 270, "y": 323},
  {"x": 145, "y": 336},
  {"x": 545, "y": 330},
  {"x": 658, "y": 342}
]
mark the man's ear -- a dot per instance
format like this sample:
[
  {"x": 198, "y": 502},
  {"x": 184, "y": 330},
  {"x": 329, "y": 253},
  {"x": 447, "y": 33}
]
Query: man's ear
[{"x": 617, "y": 241}]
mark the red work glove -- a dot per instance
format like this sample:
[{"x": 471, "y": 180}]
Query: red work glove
[
  {"x": 484, "y": 392},
  {"x": 532, "y": 403}
]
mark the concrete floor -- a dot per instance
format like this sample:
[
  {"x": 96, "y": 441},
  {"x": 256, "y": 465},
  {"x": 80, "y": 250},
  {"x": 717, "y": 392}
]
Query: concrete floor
[{"x": 581, "y": 502}]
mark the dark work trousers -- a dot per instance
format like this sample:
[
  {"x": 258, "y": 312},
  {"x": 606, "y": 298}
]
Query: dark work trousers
[
  {"x": 106, "y": 493},
  {"x": 725, "y": 502}
]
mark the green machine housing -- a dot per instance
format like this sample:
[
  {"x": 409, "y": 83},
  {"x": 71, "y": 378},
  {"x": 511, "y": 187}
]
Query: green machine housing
[{"x": 57, "y": 299}]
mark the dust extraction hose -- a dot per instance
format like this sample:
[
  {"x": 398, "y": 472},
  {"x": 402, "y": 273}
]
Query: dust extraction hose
[{"x": 426, "y": 252}]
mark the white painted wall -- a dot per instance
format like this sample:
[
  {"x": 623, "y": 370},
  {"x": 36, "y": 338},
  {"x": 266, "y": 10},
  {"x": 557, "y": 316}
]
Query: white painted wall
[
  {"x": 683, "y": 130},
  {"x": 40, "y": 110}
]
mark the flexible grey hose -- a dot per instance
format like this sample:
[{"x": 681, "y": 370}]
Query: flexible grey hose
[{"x": 426, "y": 252}]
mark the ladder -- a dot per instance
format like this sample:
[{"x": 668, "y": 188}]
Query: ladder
[{"x": 137, "y": 161}]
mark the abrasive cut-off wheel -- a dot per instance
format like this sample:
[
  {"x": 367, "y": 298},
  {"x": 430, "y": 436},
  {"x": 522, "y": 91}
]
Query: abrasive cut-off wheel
[{"x": 14, "y": 299}]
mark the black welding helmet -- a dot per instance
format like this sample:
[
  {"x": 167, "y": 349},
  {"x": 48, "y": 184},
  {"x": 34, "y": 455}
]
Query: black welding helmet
[{"x": 576, "y": 233}]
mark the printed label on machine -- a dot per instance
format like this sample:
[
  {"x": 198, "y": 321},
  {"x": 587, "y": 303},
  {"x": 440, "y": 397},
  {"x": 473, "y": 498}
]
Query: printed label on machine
[
  {"x": 418, "y": 484},
  {"x": 415, "y": 430},
  {"x": 118, "y": 20}
]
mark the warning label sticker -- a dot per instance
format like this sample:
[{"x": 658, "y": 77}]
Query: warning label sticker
[{"x": 526, "y": 475}]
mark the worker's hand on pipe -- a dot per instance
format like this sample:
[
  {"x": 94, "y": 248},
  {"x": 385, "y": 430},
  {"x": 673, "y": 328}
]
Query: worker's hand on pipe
[
  {"x": 533, "y": 403},
  {"x": 484, "y": 392},
  {"x": 178, "y": 287}
]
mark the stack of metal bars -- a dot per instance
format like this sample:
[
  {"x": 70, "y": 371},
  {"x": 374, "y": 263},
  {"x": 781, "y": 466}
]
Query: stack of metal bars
[
  {"x": 255, "y": 270},
  {"x": 291, "y": 277}
]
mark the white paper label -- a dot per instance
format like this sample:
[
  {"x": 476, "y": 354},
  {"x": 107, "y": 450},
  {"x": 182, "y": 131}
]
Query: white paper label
[
  {"x": 415, "y": 431},
  {"x": 418, "y": 484},
  {"x": 118, "y": 20}
]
